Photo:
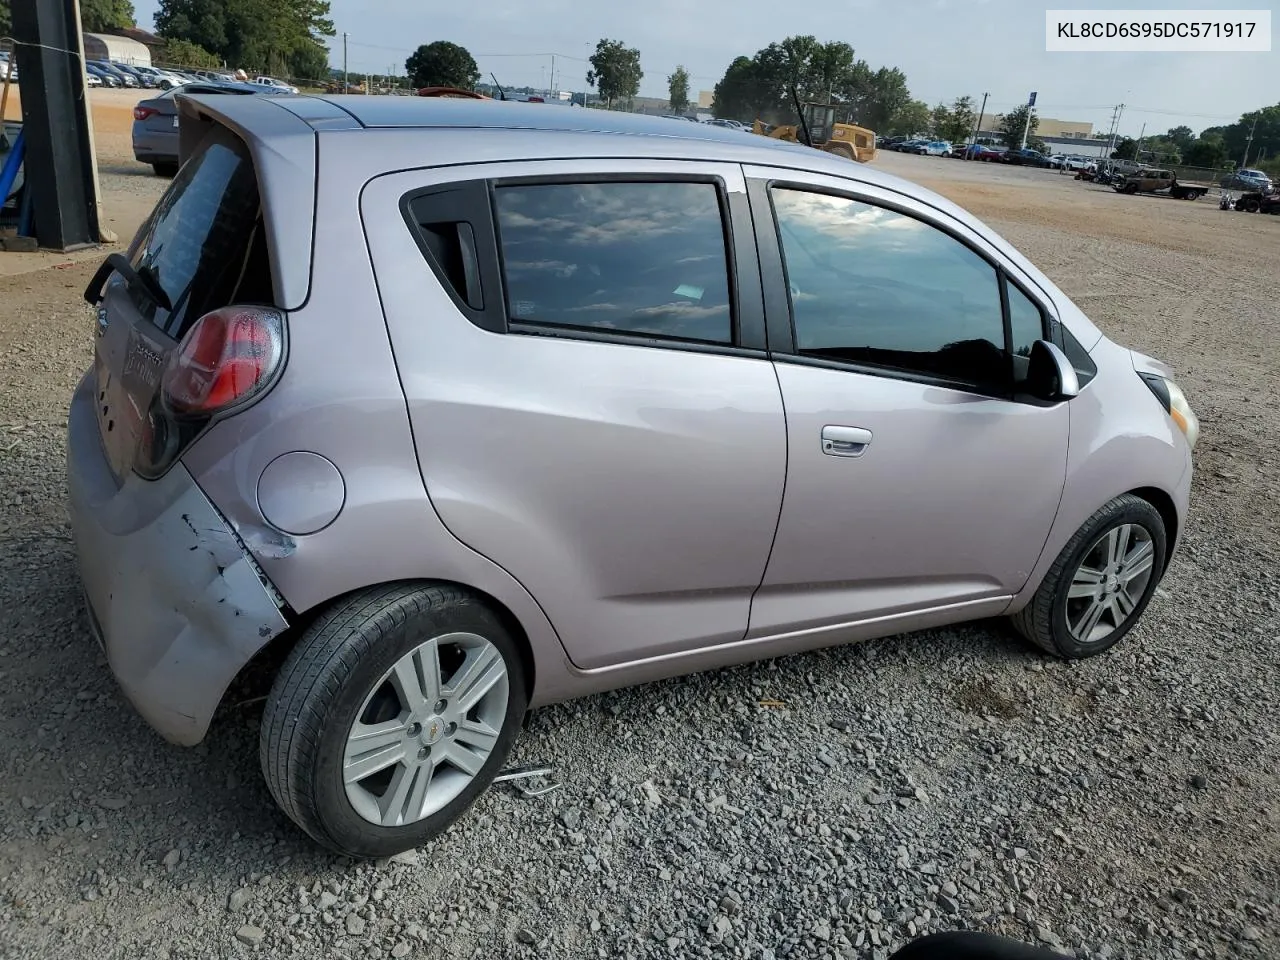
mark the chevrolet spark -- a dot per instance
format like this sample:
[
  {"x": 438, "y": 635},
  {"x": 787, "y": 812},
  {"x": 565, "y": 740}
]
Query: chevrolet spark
[{"x": 453, "y": 409}]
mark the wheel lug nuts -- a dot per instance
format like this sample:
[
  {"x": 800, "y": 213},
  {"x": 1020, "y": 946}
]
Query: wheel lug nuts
[
  {"x": 451, "y": 730},
  {"x": 440, "y": 706},
  {"x": 415, "y": 729},
  {"x": 424, "y": 752}
]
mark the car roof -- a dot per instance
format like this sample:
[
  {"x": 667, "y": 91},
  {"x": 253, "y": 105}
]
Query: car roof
[{"x": 436, "y": 112}]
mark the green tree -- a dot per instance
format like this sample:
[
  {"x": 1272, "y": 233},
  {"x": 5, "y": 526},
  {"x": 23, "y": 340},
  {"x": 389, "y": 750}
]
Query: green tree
[
  {"x": 761, "y": 86},
  {"x": 880, "y": 96},
  {"x": 1264, "y": 127},
  {"x": 912, "y": 118},
  {"x": 184, "y": 53},
  {"x": 1126, "y": 149},
  {"x": 104, "y": 16},
  {"x": 6, "y": 21},
  {"x": 739, "y": 94},
  {"x": 1181, "y": 137},
  {"x": 1207, "y": 150},
  {"x": 442, "y": 64},
  {"x": 939, "y": 120},
  {"x": 1161, "y": 150},
  {"x": 678, "y": 87},
  {"x": 1013, "y": 123},
  {"x": 276, "y": 36},
  {"x": 960, "y": 120},
  {"x": 615, "y": 71}
]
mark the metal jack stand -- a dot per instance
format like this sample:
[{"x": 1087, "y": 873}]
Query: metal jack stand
[{"x": 517, "y": 775}]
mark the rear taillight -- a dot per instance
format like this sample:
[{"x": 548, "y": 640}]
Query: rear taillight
[
  {"x": 141, "y": 113},
  {"x": 230, "y": 355}
]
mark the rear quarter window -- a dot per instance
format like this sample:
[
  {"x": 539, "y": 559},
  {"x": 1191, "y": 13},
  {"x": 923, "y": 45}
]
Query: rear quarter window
[
  {"x": 205, "y": 244},
  {"x": 641, "y": 258}
]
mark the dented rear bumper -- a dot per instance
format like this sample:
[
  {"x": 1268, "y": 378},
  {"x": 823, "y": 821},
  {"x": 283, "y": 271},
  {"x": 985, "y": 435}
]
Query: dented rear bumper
[{"x": 178, "y": 604}]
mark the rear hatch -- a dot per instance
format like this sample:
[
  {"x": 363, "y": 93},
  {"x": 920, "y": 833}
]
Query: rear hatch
[{"x": 202, "y": 248}]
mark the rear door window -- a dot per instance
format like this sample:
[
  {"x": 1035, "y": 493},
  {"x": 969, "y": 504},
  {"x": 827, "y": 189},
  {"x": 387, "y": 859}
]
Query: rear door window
[
  {"x": 642, "y": 258},
  {"x": 204, "y": 244}
]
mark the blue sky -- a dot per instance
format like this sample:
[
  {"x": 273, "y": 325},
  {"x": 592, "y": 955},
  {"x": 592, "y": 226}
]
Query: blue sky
[{"x": 946, "y": 48}]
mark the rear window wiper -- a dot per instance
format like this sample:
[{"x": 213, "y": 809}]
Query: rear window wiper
[{"x": 143, "y": 281}]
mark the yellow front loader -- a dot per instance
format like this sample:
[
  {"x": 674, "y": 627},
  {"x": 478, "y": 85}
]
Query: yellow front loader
[{"x": 819, "y": 123}]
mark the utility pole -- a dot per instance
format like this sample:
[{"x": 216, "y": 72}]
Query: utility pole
[
  {"x": 344, "y": 61},
  {"x": 1248, "y": 143},
  {"x": 1115, "y": 128},
  {"x": 1137, "y": 152},
  {"x": 977, "y": 126},
  {"x": 553, "y": 74}
]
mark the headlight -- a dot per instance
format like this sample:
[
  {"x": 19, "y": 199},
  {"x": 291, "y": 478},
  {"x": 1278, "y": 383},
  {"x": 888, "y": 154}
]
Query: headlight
[{"x": 1175, "y": 403}]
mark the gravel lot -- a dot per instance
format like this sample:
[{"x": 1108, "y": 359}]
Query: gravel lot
[{"x": 829, "y": 805}]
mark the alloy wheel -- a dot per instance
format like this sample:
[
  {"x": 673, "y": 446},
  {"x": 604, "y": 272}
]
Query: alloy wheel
[
  {"x": 1109, "y": 583},
  {"x": 426, "y": 729}
]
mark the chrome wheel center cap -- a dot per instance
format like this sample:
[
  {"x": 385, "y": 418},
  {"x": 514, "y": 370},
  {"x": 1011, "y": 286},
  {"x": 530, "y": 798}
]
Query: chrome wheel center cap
[{"x": 432, "y": 730}]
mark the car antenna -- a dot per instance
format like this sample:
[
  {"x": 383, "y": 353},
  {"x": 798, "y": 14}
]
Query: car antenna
[
  {"x": 804, "y": 127},
  {"x": 502, "y": 94}
]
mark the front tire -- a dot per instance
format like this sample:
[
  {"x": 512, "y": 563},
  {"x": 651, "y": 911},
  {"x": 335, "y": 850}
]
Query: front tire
[
  {"x": 391, "y": 715},
  {"x": 1101, "y": 582}
]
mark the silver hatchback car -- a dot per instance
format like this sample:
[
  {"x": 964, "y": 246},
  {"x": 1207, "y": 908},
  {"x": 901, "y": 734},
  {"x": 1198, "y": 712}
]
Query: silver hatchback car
[{"x": 441, "y": 410}]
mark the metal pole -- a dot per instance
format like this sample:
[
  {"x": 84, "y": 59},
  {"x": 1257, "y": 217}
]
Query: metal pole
[
  {"x": 345, "y": 81},
  {"x": 553, "y": 74},
  {"x": 1026, "y": 128},
  {"x": 977, "y": 126},
  {"x": 1137, "y": 151},
  {"x": 1248, "y": 143}
]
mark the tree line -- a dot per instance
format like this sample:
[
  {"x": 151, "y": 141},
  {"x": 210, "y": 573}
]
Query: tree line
[{"x": 284, "y": 37}]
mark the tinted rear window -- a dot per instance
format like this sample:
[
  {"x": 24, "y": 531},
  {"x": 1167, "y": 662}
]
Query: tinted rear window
[
  {"x": 638, "y": 258},
  {"x": 205, "y": 243}
]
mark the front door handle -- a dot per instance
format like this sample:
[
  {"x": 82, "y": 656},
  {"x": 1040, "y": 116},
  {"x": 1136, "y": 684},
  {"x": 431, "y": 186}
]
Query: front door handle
[{"x": 845, "y": 441}]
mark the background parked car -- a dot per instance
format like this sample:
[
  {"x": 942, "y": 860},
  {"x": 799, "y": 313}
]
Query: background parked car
[
  {"x": 10, "y": 67},
  {"x": 155, "y": 121},
  {"x": 279, "y": 85},
  {"x": 162, "y": 79},
  {"x": 931, "y": 148},
  {"x": 1025, "y": 157},
  {"x": 1246, "y": 180},
  {"x": 144, "y": 79},
  {"x": 980, "y": 151},
  {"x": 125, "y": 79},
  {"x": 109, "y": 78},
  {"x": 92, "y": 79}
]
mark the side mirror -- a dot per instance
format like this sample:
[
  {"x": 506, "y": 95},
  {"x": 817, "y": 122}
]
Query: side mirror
[{"x": 1050, "y": 375}]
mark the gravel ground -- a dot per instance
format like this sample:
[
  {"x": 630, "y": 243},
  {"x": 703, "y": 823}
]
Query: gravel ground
[{"x": 823, "y": 806}]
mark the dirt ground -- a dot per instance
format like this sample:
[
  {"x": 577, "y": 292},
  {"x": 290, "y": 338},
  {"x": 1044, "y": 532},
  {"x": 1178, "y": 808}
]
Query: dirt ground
[{"x": 112, "y": 841}]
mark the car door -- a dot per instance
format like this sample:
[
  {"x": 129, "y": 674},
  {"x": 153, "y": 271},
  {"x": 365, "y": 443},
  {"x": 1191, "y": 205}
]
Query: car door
[
  {"x": 581, "y": 344},
  {"x": 920, "y": 485}
]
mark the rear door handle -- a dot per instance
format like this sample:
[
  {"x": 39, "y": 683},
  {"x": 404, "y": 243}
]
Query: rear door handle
[{"x": 845, "y": 441}]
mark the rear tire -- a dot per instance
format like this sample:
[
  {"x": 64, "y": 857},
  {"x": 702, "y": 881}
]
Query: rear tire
[
  {"x": 1084, "y": 576},
  {"x": 359, "y": 712},
  {"x": 166, "y": 168}
]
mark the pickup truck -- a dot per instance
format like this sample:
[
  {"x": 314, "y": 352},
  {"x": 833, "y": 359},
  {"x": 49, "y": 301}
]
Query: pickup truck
[{"x": 1151, "y": 180}]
